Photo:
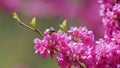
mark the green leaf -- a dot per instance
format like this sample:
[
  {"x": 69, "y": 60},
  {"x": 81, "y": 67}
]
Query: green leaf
[
  {"x": 65, "y": 23},
  {"x": 33, "y": 22},
  {"x": 63, "y": 26},
  {"x": 15, "y": 16}
]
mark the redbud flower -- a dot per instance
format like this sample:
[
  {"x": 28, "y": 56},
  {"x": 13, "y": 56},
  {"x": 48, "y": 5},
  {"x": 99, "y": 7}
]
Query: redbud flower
[{"x": 77, "y": 47}]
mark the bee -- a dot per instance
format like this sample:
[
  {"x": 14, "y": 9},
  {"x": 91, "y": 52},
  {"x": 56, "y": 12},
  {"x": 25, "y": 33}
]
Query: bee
[{"x": 52, "y": 30}]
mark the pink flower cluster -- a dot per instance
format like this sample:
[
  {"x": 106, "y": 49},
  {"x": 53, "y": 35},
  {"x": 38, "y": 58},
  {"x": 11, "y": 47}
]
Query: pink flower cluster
[{"x": 78, "y": 48}]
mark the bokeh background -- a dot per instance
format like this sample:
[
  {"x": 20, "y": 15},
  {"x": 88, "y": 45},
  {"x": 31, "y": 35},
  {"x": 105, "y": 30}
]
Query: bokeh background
[{"x": 16, "y": 42}]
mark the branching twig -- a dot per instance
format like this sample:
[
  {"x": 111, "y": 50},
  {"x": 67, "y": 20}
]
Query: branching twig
[{"x": 33, "y": 29}]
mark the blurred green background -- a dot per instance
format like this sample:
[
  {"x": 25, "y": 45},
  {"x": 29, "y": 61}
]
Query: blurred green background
[{"x": 16, "y": 43}]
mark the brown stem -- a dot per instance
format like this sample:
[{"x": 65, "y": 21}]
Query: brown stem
[
  {"x": 81, "y": 66},
  {"x": 116, "y": 1},
  {"x": 33, "y": 29},
  {"x": 39, "y": 32}
]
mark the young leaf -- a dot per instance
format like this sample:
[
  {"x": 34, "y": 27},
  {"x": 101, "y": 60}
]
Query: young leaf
[
  {"x": 15, "y": 16},
  {"x": 63, "y": 26},
  {"x": 33, "y": 22},
  {"x": 65, "y": 23}
]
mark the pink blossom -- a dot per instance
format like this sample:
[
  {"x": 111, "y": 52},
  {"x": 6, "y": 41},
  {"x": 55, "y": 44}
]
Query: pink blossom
[
  {"x": 64, "y": 61},
  {"x": 78, "y": 46},
  {"x": 69, "y": 48},
  {"x": 41, "y": 47},
  {"x": 82, "y": 34},
  {"x": 107, "y": 54}
]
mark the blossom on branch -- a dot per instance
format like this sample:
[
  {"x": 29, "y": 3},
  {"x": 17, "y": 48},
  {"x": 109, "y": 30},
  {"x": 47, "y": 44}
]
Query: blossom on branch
[{"x": 77, "y": 46}]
